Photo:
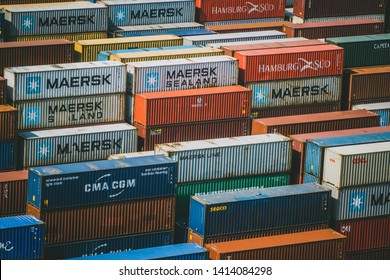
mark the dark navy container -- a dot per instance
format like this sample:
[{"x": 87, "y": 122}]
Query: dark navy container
[
  {"x": 108, "y": 245},
  {"x": 103, "y": 181},
  {"x": 259, "y": 209},
  {"x": 315, "y": 149},
  {"x": 7, "y": 155},
  {"x": 1, "y": 25},
  {"x": 182, "y": 251},
  {"x": 21, "y": 238}
]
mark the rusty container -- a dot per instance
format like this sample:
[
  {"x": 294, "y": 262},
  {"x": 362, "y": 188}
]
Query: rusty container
[
  {"x": 13, "y": 192},
  {"x": 8, "y": 122},
  {"x": 3, "y": 91}
]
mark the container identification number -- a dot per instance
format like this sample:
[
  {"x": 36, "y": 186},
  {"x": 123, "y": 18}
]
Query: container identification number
[
  {"x": 218, "y": 208},
  {"x": 242, "y": 270}
]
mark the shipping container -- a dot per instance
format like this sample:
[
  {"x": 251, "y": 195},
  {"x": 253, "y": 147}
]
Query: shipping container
[
  {"x": 71, "y": 111},
  {"x": 289, "y": 3},
  {"x": 8, "y": 155},
  {"x": 35, "y": 53},
  {"x": 364, "y": 50},
  {"x": 192, "y": 105},
  {"x": 325, "y": 244},
  {"x": 311, "y": 123},
  {"x": 299, "y": 20},
  {"x": 215, "y": 10},
  {"x": 377, "y": 254},
  {"x": 13, "y": 191},
  {"x": 180, "y": 74},
  {"x": 330, "y": 29},
  {"x": 181, "y": 232},
  {"x": 202, "y": 241},
  {"x": 229, "y": 157},
  {"x": 165, "y": 54},
  {"x": 309, "y": 178},
  {"x": 67, "y": 145},
  {"x": 151, "y": 136},
  {"x": 255, "y": 42},
  {"x": 306, "y": 9},
  {"x": 186, "y": 190},
  {"x": 67, "y": 36},
  {"x": 382, "y": 109},
  {"x": 248, "y": 27},
  {"x": 203, "y": 40},
  {"x": 290, "y": 63},
  {"x": 106, "y": 220},
  {"x": 3, "y": 90},
  {"x": 27, "y": 20},
  {"x": 258, "y": 113},
  {"x": 143, "y": 12},
  {"x": 99, "y": 182},
  {"x": 179, "y": 32},
  {"x": 21, "y": 238},
  {"x": 364, "y": 84},
  {"x": 1, "y": 25},
  {"x": 131, "y": 155},
  {"x": 8, "y": 122},
  {"x": 283, "y": 93},
  {"x": 363, "y": 164},
  {"x": 243, "y": 21},
  {"x": 65, "y": 80},
  {"x": 108, "y": 245},
  {"x": 254, "y": 210},
  {"x": 365, "y": 234},
  {"x": 87, "y": 50},
  {"x": 368, "y": 101},
  {"x": 359, "y": 201},
  {"x": 183, "y": 251}
]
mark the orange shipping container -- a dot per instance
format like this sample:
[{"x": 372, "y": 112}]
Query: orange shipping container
[
  {"x": 247, "y": 27},
  {"x": 13, "y": 192},
  {"x": 8, "y": 122}
]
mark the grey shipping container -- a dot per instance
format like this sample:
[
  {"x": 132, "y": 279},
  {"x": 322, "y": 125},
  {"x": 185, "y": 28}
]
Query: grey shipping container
[
  {"x": 65, "y": 80},
  {"x": 178, "y": 74},
  {"x": 54, "y": 19},
  {"x": 67, "y": 145},
  {"x": 229, "y": 157},
  {"x": 380, "y": 17}
]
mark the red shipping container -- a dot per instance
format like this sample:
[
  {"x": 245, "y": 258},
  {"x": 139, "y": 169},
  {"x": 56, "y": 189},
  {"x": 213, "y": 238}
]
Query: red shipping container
[
  {"x": 247, "y": 27},
  {"x": 13, "y": 191},
  {"x": 217, "y": 10},
  {"x": 8, "y": 122},
  {"x": 331, "y": 29},
  {"x": 365, "y": 234},
  {"x": 377, "y": 254},
  {"x": 193, "y": 105},
  {"x": 290, "y": 63},
  {"x": 3, "y": 91}
]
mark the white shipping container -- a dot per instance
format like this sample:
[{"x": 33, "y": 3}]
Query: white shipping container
[
  {"x": 179, "y": 74},
  {"x": 48, "y": 147},
  {"x": 229, "y": 157},
  {"x": 131, "y": 155},
  {"x": 218, "y": 45},
  {"x": 65, "y": 80},
  {"x": 356, "y": 165}
]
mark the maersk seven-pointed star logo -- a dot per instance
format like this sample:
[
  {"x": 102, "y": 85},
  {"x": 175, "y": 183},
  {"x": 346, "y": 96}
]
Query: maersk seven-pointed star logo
[
  {"x": 27, "y": 23},
  {"x": 43, "y": 151},
  {"x": 33, "y": 85},
  {"x": 357, "y": 202},
  {"x": 120, "y": 15},
  {"x": 32, "y": 116},
  {"x": 260, "y": 95},
  {"x": 151, "y": 80}
]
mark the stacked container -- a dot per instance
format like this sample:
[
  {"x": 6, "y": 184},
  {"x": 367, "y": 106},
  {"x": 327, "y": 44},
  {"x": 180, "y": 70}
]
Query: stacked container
[
  {"x": 382, "y": 109},
  {"x": 100, "y": 207},
  {"x": 13, "y": 192},
  {"x": 8, "y": 137},
  {"x": 3, "y": 91}
]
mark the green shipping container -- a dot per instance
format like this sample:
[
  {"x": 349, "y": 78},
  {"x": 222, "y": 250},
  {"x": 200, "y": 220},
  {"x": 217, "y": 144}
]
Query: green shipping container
[
  {"x": 364, "y": 50},
  {"x": 185, "y": 191}
]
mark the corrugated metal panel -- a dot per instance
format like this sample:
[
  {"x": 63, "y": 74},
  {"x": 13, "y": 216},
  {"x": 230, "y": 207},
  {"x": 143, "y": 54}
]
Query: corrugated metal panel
[
  {"x": 243, "y": 43},
  {"x": 323, "y": 244},
  {"x": 13, "y": 192},
  {"x": 106, "y": 220},
  {"x": 108, "y": 245},
  {"x": 72, "y": 111},
  {"x": 378, "y": 254},
  {"x": 151, "y": 136},
  {"x": 359, "y": 202},
  {"x": 87, "y": 50},
  {"x": 8, "y": 154},
  {"x": 141, "y": 12},
  {"x": 3, "y": 91},
  {"x": 309, "y": 178},
  {"x": 35, "y": 53},
  {"x": 364, "y": 50},
  {"x": 54, "y": 19},
  {"x": 248, "y": 27},
  {"x": 179, "y": 74},
  {"x": 232, "y": 37},
  {"x": 243, "y": 21},
  {"x": 98, "y": 182},
  {"x": 363, "y": 164},
  {"x": 162, "y": 108},
  {"x": 365, "y": 234},
  {"x": 289, "y": 3},
  {"x": 68, "y": 36},
  {"x": 254, "y": 210},
  {"x": 131, "y": 155},
  {"x": 21, "y": 238},
  {"x": 178, "y": 32},
  {"x": 181, "y": 232},
  {"x": 382, "y": 109},
  {"x": 8, "y": 120},
  {"x": 13, "y": 2},
  {"x": 46, "y": 147},
  {"x": 185, "y": 191},
  {"x": 183, "y": 251},
  {"x": 315, "y": 122},
  {"x": 295, "y": 91},
  {"x": 289, "y": 63},
  {"x": 65, "y": 80},
  {"x": 315, "y": 149},
  {"x": 214, "y": 10},
  {"x": 229, "y": 157},
  {"x": 299, "y": 20}
]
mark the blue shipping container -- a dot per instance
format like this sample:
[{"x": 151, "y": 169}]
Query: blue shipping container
[
  {"x": 309, "y": 178},
  {"x": 315, "y": 148},
  {"x": 21, "y": 238},
  {"x": 7, "y": 155},
  {"x": 104, "y": 181},
  {"x": 259, "y": 209},
  {"x": 108, "y": 245},
  {"x": 182, "y": 251}
]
